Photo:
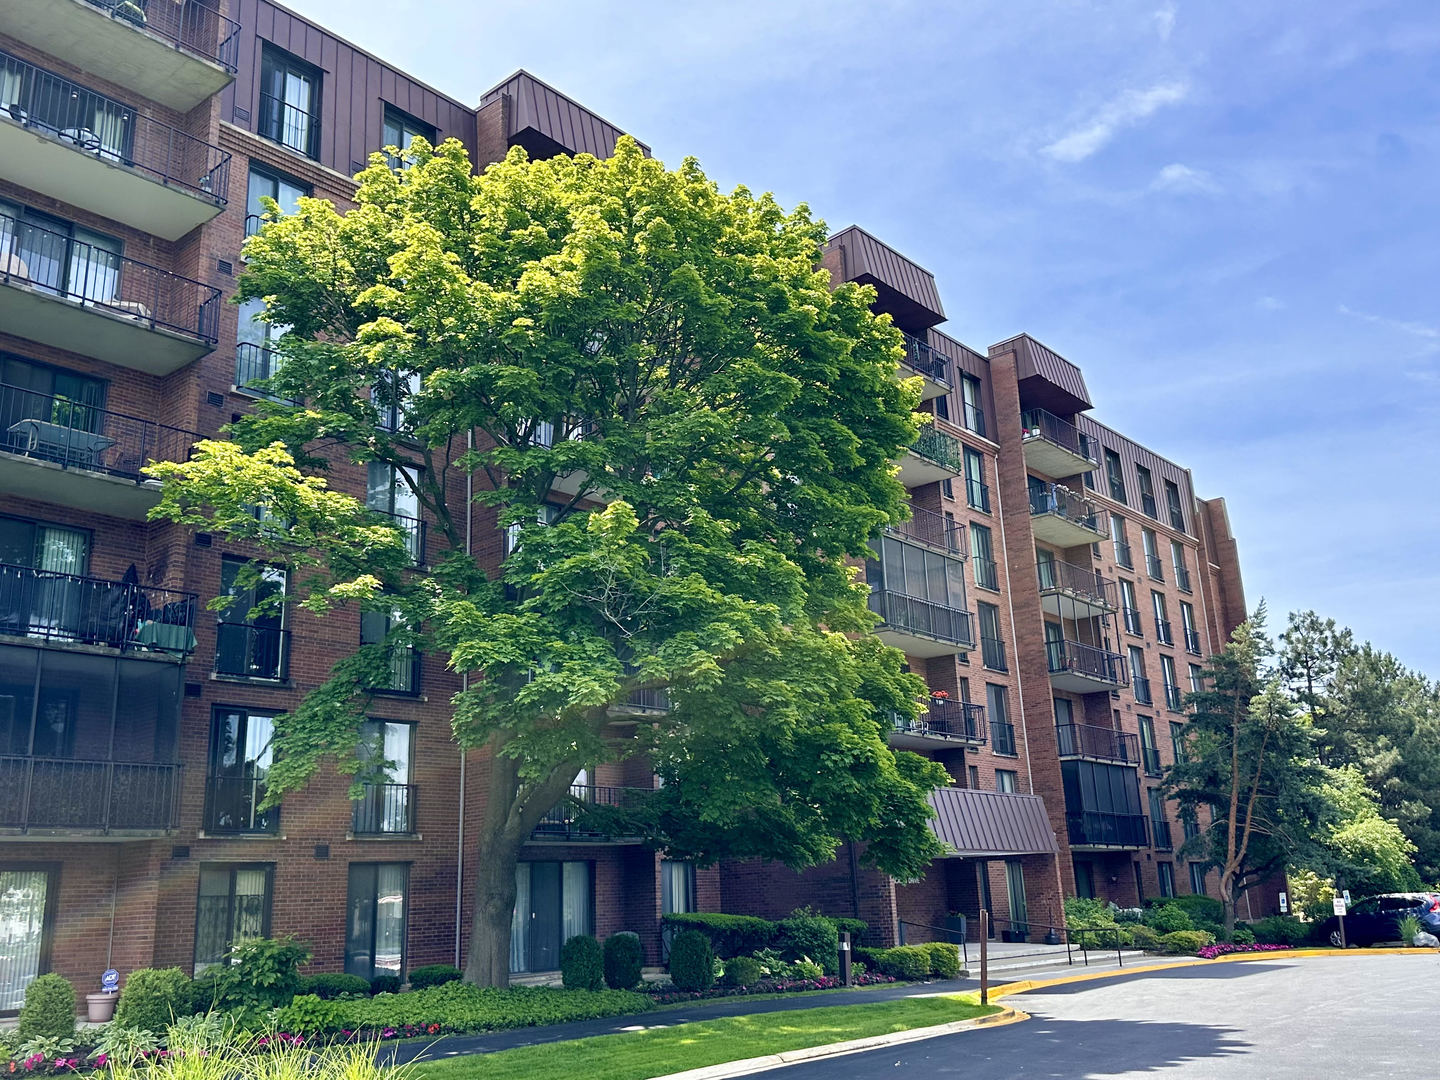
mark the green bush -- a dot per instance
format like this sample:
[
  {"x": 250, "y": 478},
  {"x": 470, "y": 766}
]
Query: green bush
[
  {"x": 310, "y": 1013},
  {"x": 692, "y": 961},
  {"x": 1198, "y": 906},
  {"x": 742, "y": 971},
  {"x": 1280, "y": 930},
  {"x": 1082, "y": 913},
  {"x": 49, "y": 1009},
  {"x": 581, "y": 964},
  {"x": 262, "y": 973},
  {"x": 623, "y": 960},
  {"x": 904, "y": 962},
  {"x": 856, "y": 928},
  {"x": 730, "y": 935},
  {"x": 944, "y": 959},
  {"x": 154, "y": 998},
  {"x": 1241, "y": 936},
  {"x": 329, "y": 985},
  {"x": 1168, "y": 919},
  {"x": 1185, "y": 941},
  {"x": 806, "y": 935},
  {"x": 429, "y": 975},
  {"x": 385, "y": 984},
  {"x": 1143, "y": 937}
]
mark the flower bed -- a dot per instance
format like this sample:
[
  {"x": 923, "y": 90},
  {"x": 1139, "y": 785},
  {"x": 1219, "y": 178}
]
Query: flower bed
[
  {"x": 668, "y": 995},
  {"x": 1210, "y": 952}
]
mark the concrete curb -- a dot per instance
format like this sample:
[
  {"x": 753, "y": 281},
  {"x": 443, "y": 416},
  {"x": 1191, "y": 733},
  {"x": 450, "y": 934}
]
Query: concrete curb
[{"x": 746, "y": 1066}]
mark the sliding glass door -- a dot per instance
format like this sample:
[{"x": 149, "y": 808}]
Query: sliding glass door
[{"x": 26, "y": 914}]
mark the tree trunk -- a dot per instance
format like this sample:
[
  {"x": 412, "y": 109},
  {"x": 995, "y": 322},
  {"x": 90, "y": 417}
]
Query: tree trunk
[
  {"x": 1230, "y": 900},
  {"x": 487, "y": 961}
]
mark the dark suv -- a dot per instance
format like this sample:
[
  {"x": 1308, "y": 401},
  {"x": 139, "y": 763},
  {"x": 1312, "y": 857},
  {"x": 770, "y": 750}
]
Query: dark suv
[{"x": 1377, "y": 918}]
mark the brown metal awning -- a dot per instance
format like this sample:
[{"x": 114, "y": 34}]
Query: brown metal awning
[{"x": 982, "y": 824}]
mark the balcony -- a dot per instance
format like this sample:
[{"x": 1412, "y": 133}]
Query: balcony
[
  {"x": 43, "y": 796},
  {"x": 1162, "y": 631},
  {"x": 567, "y": 821},
  {"x": 49, "y": 606},
  {"x": 1096, "y": 743},
  {"x": 1054, "y": 446},
  {"x": 254, "y": 366},
  {"x": 402, "y": 673},
  {"x": 1154, "y": 568},
  {"x": 977, "y": 495},
  {"x": 247, "y": 651},
  {"x": 643, "y": 702},
  {"x": 232, "y": 806},
  {"x": 176, "y": 52},
  {"x": 943, "y": 722},
  {"x": 1002, "y": 737},
  {"x": 385, "y": 810},
  {"x": 1182, "y": 579},
  {"x": 1075, "y": 592},
  {"x": 933, "y": 367},
  {"x": 1140, "y": 684},
  {"x": 1083, "y": 669},
  {"x": 1174, "y": 699},
  {"x": 921, "y": 628},
  {"x": 60, "y": 451},
  {"x": 1060, "y": 517},
  {"x": 1093, "y": 830},
  {"x": 933, "y": 457},
  {"x": 935, "y": 531},
  {"x": 1192, "y": 641},
  {"x": 62, "y": 292},
  {"x": 1133, "y": 622},
  {"x": 91, "y": 151},
  {"x": 1160, "y": 833}
]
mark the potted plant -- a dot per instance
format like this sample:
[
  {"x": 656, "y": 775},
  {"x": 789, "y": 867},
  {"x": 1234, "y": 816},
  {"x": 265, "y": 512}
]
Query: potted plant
[
  {"x": 100, "y": 1006},
  {"x": 955, "y": 923}
]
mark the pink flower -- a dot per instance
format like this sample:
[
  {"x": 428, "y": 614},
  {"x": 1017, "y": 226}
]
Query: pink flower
[{"x": 101, "y": 1060}]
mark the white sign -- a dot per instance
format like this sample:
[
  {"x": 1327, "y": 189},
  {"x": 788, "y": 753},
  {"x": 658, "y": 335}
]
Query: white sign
[
  {"x": 1346, "y": 894},
  {"x": 1340, "y": 905},
  {"x": 1284, "y": 903}
]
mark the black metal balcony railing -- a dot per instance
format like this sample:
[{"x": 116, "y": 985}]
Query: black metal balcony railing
[
  {"x": 1040, "y": 424},
  {"x": 245, "y": 650},
  {"x": 911, "y": 615},
  {"x": 191, "y": 24},
  {"x": 1192, "y": 641},
  {"x": 940, "y": 448},
  {"x": 1059, "y": 500},
  {"x": 254, "y": 364},
  {"x": 1081, "y": 659},
  {"x": 75, "y": 435},
  {"x": 414, "y": 530},
  {"x": 1174, "y": 698},
  {"x": 977, "y": 495},
  {"x": 1057, "y": 576},
  {"x": 1095, "y": 829},
  {"x": 931, "y": 529},
  {"x": 921, "y": 357},
  {"x": 1123, "y": 556},
  {"x": 992, "y": 653},
  {"x": 1141, "y": 685},
  {"x": 385, "y": 810},
  {"x": 649, "y": 699},
  {"x": 1162, "y": 631},
  {"x": 289, "y": 125},
  {"x": 1154, "y": 567},
  {"x": 1182, "y": 578},
  {"x": 402, "y": 673},
  {"x": 1150, "y": 758},
  {"x": 1100, "y": 743},
  {"x": 232, "y": 806},
  {"x": 1002, "y": 737},
  {"x": 61, "y": 793},
  {"x": 57, "y": 264},
  {"x": 1133, "y": 622},
  {"x": 987, "y": 574},
  {"x": 1147, "y": 504},
  {"x": 566, "y": 820},
  {"x": 51, "y": 105},
  {"x": 92, "y": 611},
  {"x": 1160, "y": 830},
  {"x": 975, "y": 419},
  {"x": 946, "y": 719}
]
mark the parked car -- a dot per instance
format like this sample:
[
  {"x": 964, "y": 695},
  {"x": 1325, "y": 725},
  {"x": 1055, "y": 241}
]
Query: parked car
[{"x": 1377, "y": 918}]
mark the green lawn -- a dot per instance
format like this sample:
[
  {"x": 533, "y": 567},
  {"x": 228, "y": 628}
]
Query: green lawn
[{"x": 642, "y": 1054}]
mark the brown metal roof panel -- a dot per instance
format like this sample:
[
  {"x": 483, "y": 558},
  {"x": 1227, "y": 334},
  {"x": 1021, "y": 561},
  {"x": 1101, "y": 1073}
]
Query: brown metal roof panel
[
  {"x": 865, "y": 256},
  {"x": 991, "y": 823},
  {"x": 538, "y": 106}
]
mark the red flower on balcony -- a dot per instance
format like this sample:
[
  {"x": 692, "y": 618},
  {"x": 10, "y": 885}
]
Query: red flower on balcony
[{"x": 940, "y": 695}]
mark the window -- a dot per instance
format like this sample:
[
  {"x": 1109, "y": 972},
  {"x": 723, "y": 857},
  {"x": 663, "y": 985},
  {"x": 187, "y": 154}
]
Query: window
[
  {"x": 918, "y": 572},
  {"x": 677, "y": 887},
  {"x": 976, "y": 493},
  {"x": 387, "y": 805},
  {"x": 1162, "y": 617},
  {"x": 30, "y": 902},
  {"x": 1045, "y": 568},
  {"x": 1139, "y": 684},
  {"x": 265, "y": 184},
  {"x": 972, "y": 775},
  {"x": 553, "y": 902},
  {"x": 1152, "y": 555},
  {"x": 289, "y": 101},
  {"x": 403, "y": 670},
  {"x": 38, "y": 546},
  {"x": 1122, "y": 546},
  {"x": 241, "y": 753},
  {"x": 392, "y": 396},
  {"x": 1197, "y": 878},
  {"x": 1084, "y": 877},
  {"x": 1187, "y": 623},
  {"x": 1005, "y": 780},
  {"x": 1157, "y": 804},
  {"x": 1166, "y": 872},
  {"x": 255, "y": 355},
  {"x": 970, "y": 395},
  {"x": 391, "y": 490},
  {"x": 1177, "y": 560},
  {"x": 58, "y": 257},
  {"x": 1115, "y": 477},
  {"x": 1172, "y": 502},
  {"x": 992, "y": 646},
  {"x": 1149, "y": 752},
  {"x": 375, "y": 919},
  {"x": 1147, "y": 492},
  {"x": 1130, "y": 607},
  {"x": 234, "y": 906},
  {"x": 1064, "y": 712},
  {"x": 1173, "y": 697},
  {"x": 964, "y": 688},
  {"x": 250, "y": 638},
  {"x": 1177, "y": 741},
  {"x": 400, "y": 129},
  {"x": 46, "y": 102},
  {"x": 982, "y": 557},
  {"x": 1197, "y": 679},
  {"x": 1002, "y": 732}
]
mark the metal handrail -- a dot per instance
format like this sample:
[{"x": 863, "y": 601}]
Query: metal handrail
[
  {"x": 1059, "y": 500},
  {"x": 1174, "y": 699},
  {"x": 922, "y": 357},
  {"x": 385, "y": 810},
  {"x": 53, "y": 263},
  {"x": 245, "y": 650},
  {"x": 53, "y": 606},
  {"x": 1150, "y": 756},
  {"x": 1042, "y": 424},
  {"x": 566, "y": 819},
  {"x": 68, "y": 793},
  {"x": 1085, "y": 938},
  {"x": 931, "y": 529},
  {"x": 1002, "y": 737},
  {"x": 1192, "y": 641},
  {"x": 912, "y": 614},
  {"x": 977, "y": 494},
  {"x": 1068, "y": 577},
  {"x": 987, "y": 572},
  {"x": 189, "y": 24},
  {"x": 1133, "y": 621},
  {"x": 975, "y": 419},
  {"x": 232, "y": 805},
  {"x": 1096, "y": 741},
  {"x": 1083, "y": 659},
  {"x": 950, "y": 935},
  {"x": 289, "y": 125},
  {"x": 992, "y": 653},
  {"x": 405, "y": 666},
  {"x": 1154, "y": 567},
  {"x": 1095, "y": 827},
  {"x": 940, "y": 448},
  {"x": 1162, "y": 631},
  {"x": 254, "y": 365},
  {"x": 48, "y": 103},
  {"x": 943, "y": 718},
  {"x": 1123, "y": 556},
  {"x": 1160, "y": 827},
  {"x": 1140, "y": 684}
]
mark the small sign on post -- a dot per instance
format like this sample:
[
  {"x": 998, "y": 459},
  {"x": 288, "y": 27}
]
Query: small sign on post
[
  {"x": 1346, "y": 895},
  {"x": 847, "y": 968},
  {"x": 1341, "y": 904},
  {"x": 1284, "y": 903},
  {"x": 110, "y": 981}
]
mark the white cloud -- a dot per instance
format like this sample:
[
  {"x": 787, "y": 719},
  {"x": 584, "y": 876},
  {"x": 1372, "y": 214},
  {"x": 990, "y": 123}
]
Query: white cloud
[
  {"x": 1428, "y": 336},
  {"x": 1184, "y": 180},
  {"x": 1129, "y": 108},
  {"x": 1165, "y": 20}
]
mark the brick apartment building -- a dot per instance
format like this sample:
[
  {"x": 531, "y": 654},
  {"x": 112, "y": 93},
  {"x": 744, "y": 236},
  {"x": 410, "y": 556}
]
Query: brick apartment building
[{"x": 136, "y": 140}]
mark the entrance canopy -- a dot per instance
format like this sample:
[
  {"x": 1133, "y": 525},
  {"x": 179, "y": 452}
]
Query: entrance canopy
[{"x": 981, "y": 824}]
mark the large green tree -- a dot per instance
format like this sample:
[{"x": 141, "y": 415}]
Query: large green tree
[{"x": 721, "y": 422}]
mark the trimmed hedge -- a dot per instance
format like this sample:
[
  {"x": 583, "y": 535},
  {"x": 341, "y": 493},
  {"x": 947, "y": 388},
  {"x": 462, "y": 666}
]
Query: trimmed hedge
[
  {"x": 581, "y": 964},
  {"x": 730, "y": 935},
  {"x": 326, "y": 985},
  {"x": 1168, "y": 918},
  {"x": 623, "y": 960},
  {"x": 902, "y": 962},
  {"x": 422, "y": 978},
  {"x": 805, "y": 935},
  {"x": 1280, "y": 930},
  {"x": 944, "y": 959},
  {"x": 154, "y": 998},
  {"x": 385, "y": 984},
  {"x": 49, "y": 1009},
  {"x": 1186, "y": 941},
  {"x": 1199, "y": 907},
  {"x": 1143, "y": 937},
  {"x": 692, "y": 961},
  {"x": 743, "y": 971}
]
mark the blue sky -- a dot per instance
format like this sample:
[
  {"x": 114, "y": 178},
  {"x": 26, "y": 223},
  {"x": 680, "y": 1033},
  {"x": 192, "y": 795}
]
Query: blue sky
[{"x": 1227, "y": 213}]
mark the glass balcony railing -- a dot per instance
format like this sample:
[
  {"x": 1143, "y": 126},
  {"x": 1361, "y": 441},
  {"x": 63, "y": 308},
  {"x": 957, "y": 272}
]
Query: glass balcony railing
[{"x": 1096, "y": 829}]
